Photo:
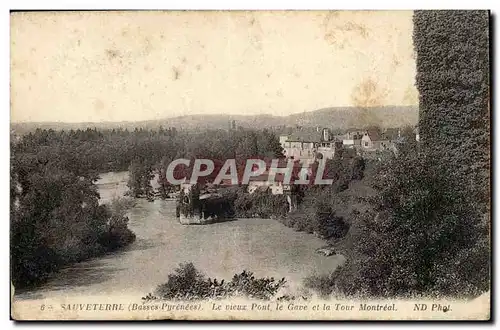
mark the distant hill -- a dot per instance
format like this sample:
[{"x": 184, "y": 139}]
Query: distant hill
[
  {"x": 335, "y": 118},
  {"x": 348, "y": 117}
]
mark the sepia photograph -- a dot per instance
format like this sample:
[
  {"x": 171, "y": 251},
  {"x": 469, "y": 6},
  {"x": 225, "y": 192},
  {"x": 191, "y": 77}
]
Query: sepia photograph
[{"x": 250, "y": 165}]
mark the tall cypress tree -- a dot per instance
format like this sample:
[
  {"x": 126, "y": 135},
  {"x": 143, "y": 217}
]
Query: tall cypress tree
[{"x": 452, "y": 49}]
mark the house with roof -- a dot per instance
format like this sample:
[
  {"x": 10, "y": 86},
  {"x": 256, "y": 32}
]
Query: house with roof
[
  {"x": 352, "y": 137},
  {"x": 308, "y": 146},
  {"x": 262, "y": 183},
  {"x": 370, "y": 139},
  {"x": 375, "y": 139},
  {"x": 277, "y": 185}
]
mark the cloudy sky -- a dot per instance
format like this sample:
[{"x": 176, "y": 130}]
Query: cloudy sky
[{"x": 112, "y": 66}]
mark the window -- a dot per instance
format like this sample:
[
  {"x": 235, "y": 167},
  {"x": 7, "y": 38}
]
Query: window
[{"x": 366, "y": 144}]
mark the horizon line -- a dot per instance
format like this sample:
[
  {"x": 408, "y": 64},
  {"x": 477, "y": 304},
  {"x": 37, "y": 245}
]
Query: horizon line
[{"x": 201, "y": 114}]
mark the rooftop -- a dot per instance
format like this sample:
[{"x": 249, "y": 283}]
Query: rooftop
[{"x": 309, "y": 136}]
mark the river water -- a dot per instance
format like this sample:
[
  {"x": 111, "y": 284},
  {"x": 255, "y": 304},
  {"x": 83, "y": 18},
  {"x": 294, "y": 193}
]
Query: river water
[{"x": 263, "y": 246}]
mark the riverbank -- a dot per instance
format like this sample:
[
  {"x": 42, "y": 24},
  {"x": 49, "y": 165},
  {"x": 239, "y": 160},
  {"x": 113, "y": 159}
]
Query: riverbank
[
  {"x": 220, "y": 250},
  {"x": 318, "y": 219},
  {"x": 114, "y": 237}
]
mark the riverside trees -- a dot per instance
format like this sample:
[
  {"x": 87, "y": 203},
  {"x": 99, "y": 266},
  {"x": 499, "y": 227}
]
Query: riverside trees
[{"x": 55, "y": 214}]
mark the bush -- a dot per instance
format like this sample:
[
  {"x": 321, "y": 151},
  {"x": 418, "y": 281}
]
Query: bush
[
  {"x": 423, "y": 237},
  {"x": 187, "y": 283},
  {"x": 258, "y": 204},
  {"x": 326, "y": 285},
  {"x": 328, "y": 225},
  {"x": 427, "y": 234},
  {"x": 318, "y": 205},
  {"x": 316, "y": 215},
  {"x": 358, "y": 168}
]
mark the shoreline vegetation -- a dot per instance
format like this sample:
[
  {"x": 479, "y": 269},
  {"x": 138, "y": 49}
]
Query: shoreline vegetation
[
  {"x": 345, "y": 214},
  {"x": 187, "y": 283},
  {"x": 412, "y": 223},
  {"x": 110, "y": 234}
]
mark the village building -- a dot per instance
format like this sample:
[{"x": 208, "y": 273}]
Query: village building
[
  {"x": 262, "y": 183},
  {"x": 352, "y": 137},
  {"x": 374, "y": 139},
  {"x": 310, "y": 146},
  {"x": 371, "y": 140},
  {"x": 277, "y": 185}
]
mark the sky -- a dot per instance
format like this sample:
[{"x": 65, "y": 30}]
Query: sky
[{"x": 132, "y": 66}]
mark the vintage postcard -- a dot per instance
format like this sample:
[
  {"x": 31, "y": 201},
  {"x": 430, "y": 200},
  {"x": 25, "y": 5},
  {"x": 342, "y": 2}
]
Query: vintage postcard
[{"x": 250, "y": 165}]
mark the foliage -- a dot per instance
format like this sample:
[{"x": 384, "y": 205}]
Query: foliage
[
  {"x": 165, "y": 187},
  {"x": 343, "y": 168},
  {"x": 188, "y": 283},
  {"x": 140, "y": 176},
  {"x": 111, "y": 150},
  {"x": 118, "y": 234},
  {"x": 453, "y": 82},
  {"x": 318, "y": 205},
  {"x": 261, "y": 204},
  {"x": 317, "y": 215},
  {"x": 428, "y": 231},
  {"x": 56, "y": 218},
  {"x": 423, "y": 237},
  {"x": 120, "y": 206},
  {"x": 325, "y": 285},
  {"x": 358, "y": 168}
]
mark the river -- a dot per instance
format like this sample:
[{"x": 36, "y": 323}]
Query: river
[{"x": 263, "y": 246}]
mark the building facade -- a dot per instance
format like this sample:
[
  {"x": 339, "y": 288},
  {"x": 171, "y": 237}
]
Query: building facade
[{"x": 310, "y": 146}]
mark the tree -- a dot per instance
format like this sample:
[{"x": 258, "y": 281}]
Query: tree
[
  {"x": 269, "y": 145},
  {"x": 453, "y": 82},
  {"x": 427, "y": 232},
  {"x": 147, "y": 176},
  {"x": 140, "y": 176},
  {"x": 135, "y": 179},
  {"x": 421, "y": 222},
  {"x": 247, "y": 145},
  {"x": 56, "y": 218},
  {"x": 48, "y": 199},
  {"x": 420, "y": 237}
]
